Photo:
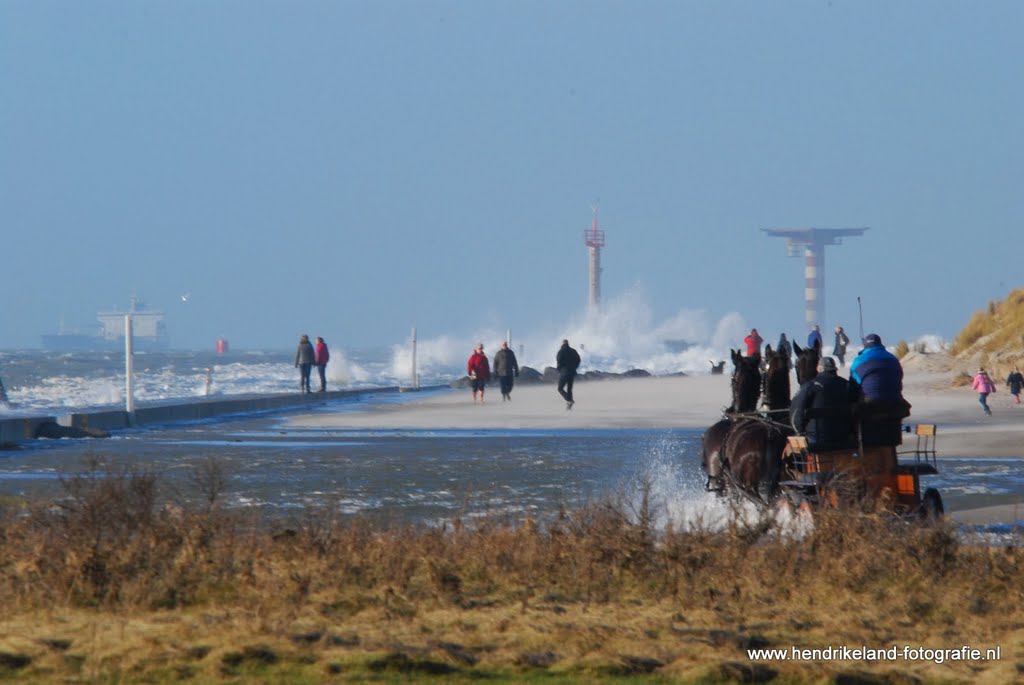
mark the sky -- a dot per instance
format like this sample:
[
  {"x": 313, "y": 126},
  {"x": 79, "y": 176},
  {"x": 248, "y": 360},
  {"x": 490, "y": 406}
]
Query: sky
[{"x": 360, "y": 168}]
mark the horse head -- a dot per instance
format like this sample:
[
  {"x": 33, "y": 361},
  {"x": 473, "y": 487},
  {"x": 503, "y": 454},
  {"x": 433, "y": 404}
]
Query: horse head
[
  {"x": 746, "y": 382},
  {"x": 806, "y": 362},
  {"x": 776, "y": 390}
]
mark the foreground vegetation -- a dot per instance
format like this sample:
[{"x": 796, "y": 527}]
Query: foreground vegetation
[{"x": 121, "y": 582}]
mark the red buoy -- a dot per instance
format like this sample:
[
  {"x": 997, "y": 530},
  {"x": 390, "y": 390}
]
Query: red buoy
[{"x": 222, "y": 345}]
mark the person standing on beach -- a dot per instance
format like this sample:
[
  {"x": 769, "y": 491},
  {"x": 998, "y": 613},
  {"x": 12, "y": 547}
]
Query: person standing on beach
[
  {"x": 786, "y": 348},
  {"x": 754, "y": 342},
  {"x": 1014, "y": 381},
  {"x": 305, "y": 355},
  {"x": 842, "y": 340},
  {"x": 984, "y": 386},
  {"x": 567, "y": 361},
  {"x": 506, "y": 368},
  {"x": 321, "y": 355},
  {"x": 814, "y": 337},
  {"x": 479, "y": 371}
]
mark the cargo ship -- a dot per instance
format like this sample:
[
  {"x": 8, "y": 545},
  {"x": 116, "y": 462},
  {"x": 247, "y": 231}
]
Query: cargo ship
[{"x": 148, "y": 332}]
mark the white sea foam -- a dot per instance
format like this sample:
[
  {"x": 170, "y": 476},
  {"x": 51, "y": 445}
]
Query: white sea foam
[{"x": 625, "y": 334}]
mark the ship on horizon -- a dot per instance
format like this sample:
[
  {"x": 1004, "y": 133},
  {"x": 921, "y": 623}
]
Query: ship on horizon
[{"x": 148, "y": 331}]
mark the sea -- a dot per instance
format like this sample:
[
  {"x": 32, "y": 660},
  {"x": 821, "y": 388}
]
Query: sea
[{"x": 400, "y": 476}]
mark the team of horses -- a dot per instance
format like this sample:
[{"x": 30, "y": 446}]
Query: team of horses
[{"x": 742, "y": 452}]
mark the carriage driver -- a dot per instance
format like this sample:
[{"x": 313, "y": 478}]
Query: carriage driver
[
  {"x": 879, "y": 375},
  {"x": 822, "y": 408}
]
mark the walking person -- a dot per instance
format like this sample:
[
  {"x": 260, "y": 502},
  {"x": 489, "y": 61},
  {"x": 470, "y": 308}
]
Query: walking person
[
  {"x": 479, "y": 370},
  {"x": 842, "y": 340},
  {"x": 984, "y": 386},
  {"x": 567, "y": 361},
  {"x": 506, "y": 368},
  {"x": 305, "y": 355},
  {"x": 1014, "y": 381},
  {"x": 321, "y": 355},
  {"x": 754, "y": 342}
]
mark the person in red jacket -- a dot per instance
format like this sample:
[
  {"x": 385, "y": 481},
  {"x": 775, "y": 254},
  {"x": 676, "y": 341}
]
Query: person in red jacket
[
  {"x": 754, "y": 342},
  {"x": 479, "y": 371},
  {"x": 320, "y": 358}
]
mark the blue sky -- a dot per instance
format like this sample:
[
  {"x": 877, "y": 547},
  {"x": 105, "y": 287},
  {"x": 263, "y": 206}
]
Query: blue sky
[{"x": 363, "y": 167}]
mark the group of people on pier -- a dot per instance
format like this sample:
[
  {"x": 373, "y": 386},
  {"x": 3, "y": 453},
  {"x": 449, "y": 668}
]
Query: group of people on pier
[{"x": 306, "y": 357}]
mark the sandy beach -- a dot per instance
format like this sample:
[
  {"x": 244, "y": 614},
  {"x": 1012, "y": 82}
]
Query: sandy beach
[{"x": 695, "y": 402}]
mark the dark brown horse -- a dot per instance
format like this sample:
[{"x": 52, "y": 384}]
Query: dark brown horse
[
  {"x": 752, "y": 457},
  {"x": 744, "y": 451},
  {"x": 746, "y": 388},
  {"x": 806, "y": 362},
  {"x": 775, "y": 391}
]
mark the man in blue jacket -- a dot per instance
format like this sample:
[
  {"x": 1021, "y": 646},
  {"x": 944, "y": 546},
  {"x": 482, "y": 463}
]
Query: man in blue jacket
[
  {"x": 814, "y": 337},
  {"x": 880, "y": 376}
]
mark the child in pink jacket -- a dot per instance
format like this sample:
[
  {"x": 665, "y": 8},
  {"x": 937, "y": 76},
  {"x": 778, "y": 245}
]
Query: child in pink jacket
[{"x": 983, "y": 385}]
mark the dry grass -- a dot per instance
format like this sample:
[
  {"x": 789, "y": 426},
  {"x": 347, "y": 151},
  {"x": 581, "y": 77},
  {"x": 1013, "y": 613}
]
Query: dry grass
[
  {"x": 113, "y": 584},
  {"x": 999, "y": 328},
  {"x": 993, "y": 338}
]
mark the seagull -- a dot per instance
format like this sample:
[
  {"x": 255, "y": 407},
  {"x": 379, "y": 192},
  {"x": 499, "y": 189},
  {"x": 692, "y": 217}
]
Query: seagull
[{"x": 184, "y": 298}]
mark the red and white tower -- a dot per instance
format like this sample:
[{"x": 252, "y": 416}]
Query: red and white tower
[
  {"x": 594, "y": 240},
  {"x": 813, "y": 242}
]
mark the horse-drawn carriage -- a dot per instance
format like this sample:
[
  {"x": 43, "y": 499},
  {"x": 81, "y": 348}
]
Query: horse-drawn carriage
[
  {"x": 873, "y": 475},
  {"x": 757, "y": 455}
]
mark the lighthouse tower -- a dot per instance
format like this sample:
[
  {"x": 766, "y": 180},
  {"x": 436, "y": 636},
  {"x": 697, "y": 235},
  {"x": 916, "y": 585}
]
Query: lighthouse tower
[
  {"x": 812, "y": 242},
  {"x": 593, "y": 238}
]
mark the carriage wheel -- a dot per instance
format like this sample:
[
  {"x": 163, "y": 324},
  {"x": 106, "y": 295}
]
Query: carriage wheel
[{"x": 931, "y": 508}]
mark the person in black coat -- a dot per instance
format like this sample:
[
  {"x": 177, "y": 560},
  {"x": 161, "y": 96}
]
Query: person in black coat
[
  {"x": 1015, "y": 381},
  {"x": 822, "y": 408},
  {"x": 506, "y": 368},
  {"x": 567, "y": 361}
]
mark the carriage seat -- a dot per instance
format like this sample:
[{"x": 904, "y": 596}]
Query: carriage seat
[
  {"x": 836, "y": 424},
  {"x": 881, "y": 422}
]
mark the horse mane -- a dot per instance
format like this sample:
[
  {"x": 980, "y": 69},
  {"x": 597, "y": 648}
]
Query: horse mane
[
  {"x": 746, "y": 382},
  {"x": 776, "y": 389},
  {"x": 806, "y": 362}
]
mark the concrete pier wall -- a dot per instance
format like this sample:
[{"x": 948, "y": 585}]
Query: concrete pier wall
[{"x": 20, "y": 428}]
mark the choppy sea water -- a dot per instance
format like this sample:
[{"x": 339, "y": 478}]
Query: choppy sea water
[
  {"x": 434, "y": 476},
  {"x": 406, "y": 475},
  {"x": 49, "y": 382}
]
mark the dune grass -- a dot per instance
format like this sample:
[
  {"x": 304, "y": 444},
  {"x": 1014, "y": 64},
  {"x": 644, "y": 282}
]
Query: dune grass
[
  {"x": 120, "y": 581},
  {"x": 997, "y": 329}
]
